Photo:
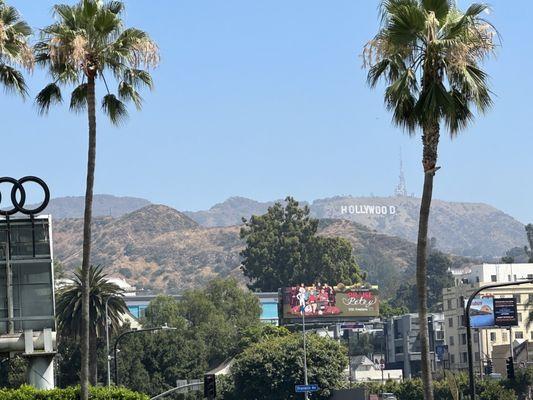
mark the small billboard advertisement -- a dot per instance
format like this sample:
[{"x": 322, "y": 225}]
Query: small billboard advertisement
[
  {"x": 488, "y": 312},
  {"x": 322, "y": 301},
  {"x": 482, "y": 312},
  {"x": 505, "y": 313}
]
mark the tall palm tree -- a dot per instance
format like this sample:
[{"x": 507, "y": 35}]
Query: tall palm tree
[
  {"x": 428, "y": 52},
  {"x": 529, "y": 234},
  {"x": 88, "y": 41},
  {"x": 70, "y": 315},
  {"x": 14, "y": 49}
]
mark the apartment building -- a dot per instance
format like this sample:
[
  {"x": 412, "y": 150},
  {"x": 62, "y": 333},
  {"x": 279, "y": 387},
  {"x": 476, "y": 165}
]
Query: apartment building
[
  {"x": 402, "y": 342},
  {"x": 466, "y": 282}
]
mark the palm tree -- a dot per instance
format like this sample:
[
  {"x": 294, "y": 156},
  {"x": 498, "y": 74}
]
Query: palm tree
[
  {"x": 529, "y": 234},
  {"x": 14, "y": 49},
  {"x": 70, "y": 315},
  {"x": 428, "y": 52},
  {"x": 87, "y": 41}
]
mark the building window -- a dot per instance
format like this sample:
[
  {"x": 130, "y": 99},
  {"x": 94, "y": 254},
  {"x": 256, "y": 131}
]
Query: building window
[
  {"x": 463, "y": 338},
  {"x": 476, "y": 338},
  {"x": 452, "y": 358},
  {"x": 517, "y": 298},
  {"x": 493, "y": 278},
  {"x": 476, "y": 356},
  {"x": 464, "y": 358},
  {"x": 509, "y": 278},
  {"x": 439, "y": 335},
  {"x": 493, "y": 336},
  {"x": 452, "y": 342},
  {"x": 449, "y": 304},
  {"x": 450, "y": 322},
  {"x": 519, "y": 335}
]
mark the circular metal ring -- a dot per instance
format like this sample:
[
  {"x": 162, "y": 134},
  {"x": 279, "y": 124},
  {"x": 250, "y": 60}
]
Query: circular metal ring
[
  {"x": 16, "y": 205},
  {"x": 20, "y": 205}
]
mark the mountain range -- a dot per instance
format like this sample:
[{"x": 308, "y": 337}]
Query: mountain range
[
  {"x": 466, "y": 229},
  {"x": 161, "y": 249}
]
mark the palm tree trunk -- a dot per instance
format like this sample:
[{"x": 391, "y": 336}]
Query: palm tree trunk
[
  {"x": 93, "y": 357},
  {"x": 430, "y": 139},
  {"x": 91, "y": 160}
]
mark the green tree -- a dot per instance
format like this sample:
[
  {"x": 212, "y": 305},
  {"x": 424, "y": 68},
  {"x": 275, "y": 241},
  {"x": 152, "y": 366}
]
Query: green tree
[
  {"x": 429, "y": 53},
  {"x": 213, "y": 324},
  {"x": 14, "y": 49},
  {"x": 218, "y": 315},
  {"x": 522, "y": 383},
  {"x": 69, "y": 310},
  {"x": 152, "y": 362},
  {"x": 162, "y": 310},
  {"x": 282, "y": 249},
  {"x": 386, "y": 310},
  {"x": 361, "y": 344},
  {"x": 271, "y": 368},
  {"x": 440, "y": 277},
  {"x": 87, "y": 41}
]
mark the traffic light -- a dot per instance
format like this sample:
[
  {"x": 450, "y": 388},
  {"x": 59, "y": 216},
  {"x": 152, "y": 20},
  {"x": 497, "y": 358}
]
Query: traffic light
[
  {"x": 210, "y": 386},
  {"x": 510, "y": 368}
]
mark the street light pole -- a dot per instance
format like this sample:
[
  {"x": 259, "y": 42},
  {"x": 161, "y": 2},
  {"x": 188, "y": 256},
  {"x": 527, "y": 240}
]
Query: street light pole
[
  {"x": 306, "y": 394},
  {"x": 108, "y": 356},
  {"x": 472, "y": 384},
  {"x": 115, "y": 347}
]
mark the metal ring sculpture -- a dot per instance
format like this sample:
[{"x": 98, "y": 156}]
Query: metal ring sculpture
[{"x": 18, "y": 187}]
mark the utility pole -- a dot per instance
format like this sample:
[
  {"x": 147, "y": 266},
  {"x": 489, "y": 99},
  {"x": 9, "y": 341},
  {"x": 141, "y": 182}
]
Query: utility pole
[
  {"x": 108, "y": 356},
  {"x": 306, "y": 394}
]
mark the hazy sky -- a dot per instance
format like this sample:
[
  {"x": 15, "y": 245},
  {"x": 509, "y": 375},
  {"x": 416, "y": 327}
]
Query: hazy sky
[{"x": 268, "y": 98}]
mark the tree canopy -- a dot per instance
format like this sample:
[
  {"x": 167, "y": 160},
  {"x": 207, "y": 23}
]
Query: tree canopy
[
  {"x": 271, "y": 368},
  {"x": 283, "y": 249},
  {"x": 213, "y": 324}
]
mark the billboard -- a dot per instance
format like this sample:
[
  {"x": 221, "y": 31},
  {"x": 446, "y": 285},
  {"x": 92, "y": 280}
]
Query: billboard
[
  {"x": 505, "y": 313},
  {"x": 322, "y": 301},
  {"x": 488, "y": 312},
  {"x": 482, "y": 312}
]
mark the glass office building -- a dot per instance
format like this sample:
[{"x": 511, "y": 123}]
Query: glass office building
[{"x": 26, "y": 275}]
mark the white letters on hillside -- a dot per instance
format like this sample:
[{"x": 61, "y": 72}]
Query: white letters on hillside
[{"x": 368, "y": 209}]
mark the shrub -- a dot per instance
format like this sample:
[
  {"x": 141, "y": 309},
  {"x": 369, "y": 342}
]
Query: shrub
[{"x": 71, "y": 393}]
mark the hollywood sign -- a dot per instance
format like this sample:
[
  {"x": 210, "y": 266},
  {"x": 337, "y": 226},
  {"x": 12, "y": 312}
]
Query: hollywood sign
[{"x": 368, "y": 209}]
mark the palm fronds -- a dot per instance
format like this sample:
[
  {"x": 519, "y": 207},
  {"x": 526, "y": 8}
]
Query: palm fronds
[
  {"x": 68, "y": 304},
  {"x": 88, "y": 40},
  {"x": 429, "y": 53},
  {"x": 14, "y": 49}
]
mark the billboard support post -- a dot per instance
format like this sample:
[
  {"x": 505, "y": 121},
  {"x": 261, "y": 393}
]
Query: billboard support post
[
  {"x": 305, "y": 352},
  {"x": 472, "y": 384}
]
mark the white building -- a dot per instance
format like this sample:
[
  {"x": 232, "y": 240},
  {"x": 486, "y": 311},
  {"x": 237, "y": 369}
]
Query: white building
[
  {"x": 363, "y": 369},
  {"x": 466, "y": 282}
]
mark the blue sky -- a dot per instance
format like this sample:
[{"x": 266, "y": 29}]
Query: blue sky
[{"x": 268, "y": 98}]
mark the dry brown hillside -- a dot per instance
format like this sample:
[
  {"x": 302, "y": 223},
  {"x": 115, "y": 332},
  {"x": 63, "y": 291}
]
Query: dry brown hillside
[{"x": 160, "y": 248}]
